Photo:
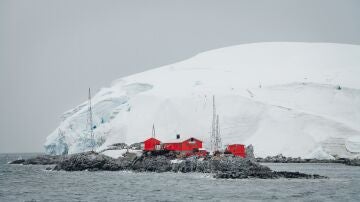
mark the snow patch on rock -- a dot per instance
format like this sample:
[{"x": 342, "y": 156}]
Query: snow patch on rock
[
  {"x": 176, "y": 161},
  {"x": 115, "y": 153},
  {"x": 320, "y": 154}
]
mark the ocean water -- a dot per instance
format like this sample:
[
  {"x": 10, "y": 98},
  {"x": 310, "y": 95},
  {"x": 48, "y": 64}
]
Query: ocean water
[{"x": 34, "y": 183}]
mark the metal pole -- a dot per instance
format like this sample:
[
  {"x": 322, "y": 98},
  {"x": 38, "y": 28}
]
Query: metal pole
[
  {"x": 153, "y": 131},
  {"x": 91, "y": 123}
]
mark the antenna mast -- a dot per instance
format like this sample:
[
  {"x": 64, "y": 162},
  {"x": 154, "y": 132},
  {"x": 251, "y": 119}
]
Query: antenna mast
[
  {"x": 215, "y": 130},
  {"x": 216, "y": 133},
  {"x": 153, "y": 131},
  {"x": 90, "y": 122},
  {"x": 217, "y": 138}
]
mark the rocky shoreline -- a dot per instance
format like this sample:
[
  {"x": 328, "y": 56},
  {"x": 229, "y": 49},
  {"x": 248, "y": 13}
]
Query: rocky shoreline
[
  {"x": 282, "y": 159},
  {"x": 39, "y": 160},
  {"x": 224, "y": 166}
]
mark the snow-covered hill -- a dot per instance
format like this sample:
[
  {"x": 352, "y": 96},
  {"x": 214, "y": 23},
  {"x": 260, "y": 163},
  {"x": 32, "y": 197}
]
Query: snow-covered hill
[{"x": 298, "y": 99}]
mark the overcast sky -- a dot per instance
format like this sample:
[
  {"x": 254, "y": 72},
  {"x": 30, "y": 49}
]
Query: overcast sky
[{"x": 52, "y": 51}]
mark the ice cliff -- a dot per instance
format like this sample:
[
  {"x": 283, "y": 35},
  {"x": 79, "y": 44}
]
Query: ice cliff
[{"x": 297, "y": 99}]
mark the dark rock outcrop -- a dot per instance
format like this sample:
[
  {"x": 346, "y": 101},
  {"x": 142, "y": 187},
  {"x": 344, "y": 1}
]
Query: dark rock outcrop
[
  {"x": 18, "y": 161},
  {"x": 267, "y": 175},
  {"x": 280, "y": 159},
  {"x": 92, "y": 161},
  {"x": 116, "y": 146},
  {"x": 39, "y": 160},
  {"x": 283, "y": 159},
  {"x": 135, "y": 146},
  {"x": 352, "y": 162},
  {"x": 119, "y": 146},
  {"x": 286, "y": 174},
  {"x": 152, "y": 164}
]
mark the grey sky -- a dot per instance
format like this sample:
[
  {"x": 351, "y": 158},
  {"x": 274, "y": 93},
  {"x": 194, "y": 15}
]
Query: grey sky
[{"x": 52, "y": 51}]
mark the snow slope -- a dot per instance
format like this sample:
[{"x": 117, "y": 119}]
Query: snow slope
[{"x": 298, "y": 99}]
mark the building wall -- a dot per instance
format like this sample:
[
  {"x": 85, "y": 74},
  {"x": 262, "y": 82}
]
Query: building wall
[
  {"x": 189, "y": 146},
  {"x": 173, "y": 146},
  {"x": 186, "y": 145},
  {"x": 149, "y": 144},
  {"x": 237, "y": 150}
]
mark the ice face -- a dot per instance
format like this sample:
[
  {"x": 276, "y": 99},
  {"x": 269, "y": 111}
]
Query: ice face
[
  {"x": 289, "y": 98},
  {"x": 353, "y": 144}
]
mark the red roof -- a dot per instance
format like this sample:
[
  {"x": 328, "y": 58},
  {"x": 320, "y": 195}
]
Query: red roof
[
  {"x": 152, "y": 139},
  {"x": 182, "y": 140}
]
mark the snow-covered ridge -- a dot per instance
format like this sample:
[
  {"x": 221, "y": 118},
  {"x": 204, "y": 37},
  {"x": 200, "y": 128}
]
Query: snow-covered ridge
[{"x": 298, "y": 99}]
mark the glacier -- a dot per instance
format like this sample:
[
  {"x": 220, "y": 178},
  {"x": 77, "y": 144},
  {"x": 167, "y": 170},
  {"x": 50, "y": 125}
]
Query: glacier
[{"x": 291, "y": 98}]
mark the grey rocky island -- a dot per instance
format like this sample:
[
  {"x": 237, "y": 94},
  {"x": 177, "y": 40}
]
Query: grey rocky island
[
  {"x": 283, "y": 159},
  {"x": 222, "y": 166}
]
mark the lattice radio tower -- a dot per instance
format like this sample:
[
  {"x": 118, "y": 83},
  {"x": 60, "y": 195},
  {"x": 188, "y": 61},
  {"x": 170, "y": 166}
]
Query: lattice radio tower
[
  {"x": 215, "y": 130},
  {"x": 90, "y": 122}
]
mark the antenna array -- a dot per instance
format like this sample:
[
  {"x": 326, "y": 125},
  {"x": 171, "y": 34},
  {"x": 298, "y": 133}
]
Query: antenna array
[
  {"x": 215, "y": 130},
  {"x": 90, "y": 122}
]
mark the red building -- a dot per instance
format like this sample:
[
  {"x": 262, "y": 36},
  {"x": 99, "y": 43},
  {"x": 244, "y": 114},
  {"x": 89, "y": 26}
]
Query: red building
[
  {"x": 151, "y": 144},
  {"x": 236, "y": 150},
  {"x": 186, "y": 145}
]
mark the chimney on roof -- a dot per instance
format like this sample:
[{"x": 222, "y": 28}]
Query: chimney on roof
[{"x": 177, "y": 136}]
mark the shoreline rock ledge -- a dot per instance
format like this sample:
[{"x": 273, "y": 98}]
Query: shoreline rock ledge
[{"x": 226, "y": 166}]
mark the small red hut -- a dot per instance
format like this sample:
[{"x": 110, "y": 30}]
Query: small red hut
[
  {"x": 151, "y": 144},
  {"x": 236, "y": 150}
]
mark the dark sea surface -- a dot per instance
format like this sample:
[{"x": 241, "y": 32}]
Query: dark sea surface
[{"x": 34, "y": 183}]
